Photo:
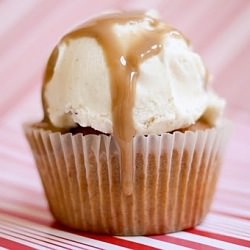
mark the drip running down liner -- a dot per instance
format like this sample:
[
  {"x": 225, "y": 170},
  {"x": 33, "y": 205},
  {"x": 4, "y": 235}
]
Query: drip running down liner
[
  {"x": 174, "y": 179},
  {"x": 123, "y": 63}
]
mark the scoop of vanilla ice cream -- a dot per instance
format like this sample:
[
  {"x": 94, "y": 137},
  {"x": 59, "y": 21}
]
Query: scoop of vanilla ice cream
[{"x": 170, "y": 89}]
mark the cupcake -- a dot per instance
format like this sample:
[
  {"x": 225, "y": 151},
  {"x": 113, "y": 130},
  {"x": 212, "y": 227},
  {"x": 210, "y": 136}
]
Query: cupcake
[{"x": 132, "y": 137}]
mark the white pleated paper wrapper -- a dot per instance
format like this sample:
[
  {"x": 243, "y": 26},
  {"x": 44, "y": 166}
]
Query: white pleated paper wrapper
[{"x": 174, "y": 179}]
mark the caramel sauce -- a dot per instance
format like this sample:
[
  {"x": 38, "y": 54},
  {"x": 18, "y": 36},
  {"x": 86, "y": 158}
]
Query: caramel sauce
[{"x": 123, "y": 61}]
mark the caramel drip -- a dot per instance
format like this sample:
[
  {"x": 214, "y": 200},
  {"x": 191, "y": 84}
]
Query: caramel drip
[
  {"x": 123, "y": 60},
  {"x": 47, "y": 77}
]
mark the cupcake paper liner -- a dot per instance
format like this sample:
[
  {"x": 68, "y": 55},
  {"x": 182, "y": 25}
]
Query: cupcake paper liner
[{"x": 175, "y": 176}]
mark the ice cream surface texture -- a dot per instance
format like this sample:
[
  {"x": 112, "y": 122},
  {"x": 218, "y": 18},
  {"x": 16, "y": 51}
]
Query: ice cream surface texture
[
  {"x": 170, "y": 91},
  {"x": 127, "y": 74}
]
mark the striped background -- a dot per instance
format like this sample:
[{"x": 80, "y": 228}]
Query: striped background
[{"x": 220, "y": 31}]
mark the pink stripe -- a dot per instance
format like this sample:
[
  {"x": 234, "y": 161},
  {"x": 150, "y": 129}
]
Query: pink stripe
[
  {"x": 197, "y": 12},
  {"x": 4, "y": 126},
  {"x": 13, "y": 159},
  {"x": 239, "y": 69},
  {"x": 13, "y": 138},
  {"x": 18, "y": 95},
  {"x": 58, "y": 20},
  {"x": 9, "y": 244},
  {"x": 25, "y": 204},
  {"x": 219, "y": 21},
  {"x": 28, "y": 191},
  {"x": 27, "y": 23},
  {"x": 144, "y": 5},
  {"x": 17, "y": 173},
  {"x": 171, "y": 11},
  {"x": 168, "y": 10},
  {"x": 181, "y": 242},
  {"x": 78, "y": 14},
  {"x": 187, "y": 10},
  {"x": 10, "y": 144},
  {"x": 12, "y": 12},
  {"x": 230, "y": 239}
]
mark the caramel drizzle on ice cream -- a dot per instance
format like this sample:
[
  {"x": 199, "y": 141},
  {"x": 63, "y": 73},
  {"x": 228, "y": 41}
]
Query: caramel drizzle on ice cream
[{"x": 123, "y": 57}]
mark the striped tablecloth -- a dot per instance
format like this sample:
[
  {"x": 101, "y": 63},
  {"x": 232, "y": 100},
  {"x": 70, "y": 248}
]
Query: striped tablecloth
[{"x": 220, "y": 31}]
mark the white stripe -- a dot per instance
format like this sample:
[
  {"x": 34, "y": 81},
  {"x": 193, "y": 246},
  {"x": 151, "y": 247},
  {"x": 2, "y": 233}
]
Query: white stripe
[
  {"x": 28, "y": 174},
  {"x": 9, "y": 152},
  {"x": 234, "y": 227},
  {"x": 230, "y": 228},
  {"x": 18, "y": 170},
  {"x": 15, "y": 130},
  {"x": 66, "y": 235},
  {"x": 228, "y": 184},
  {"x": 44, "y": 236},
  {"x": 208, "y": 241},
  {"x": 12, "y": 143},
  {"x": 223, "y": 187},
  {"x": 226, "y": 208},
  {"x": 31, "y": 103},
  {"x": 153, "y": 243},
  {"x": 227, "y": 45},
  {"x": 240, "y": 200},
  {"x": 13, "y": 174},
  {"x": 8, "y": 163},
  {"x": 219, "y": 230},
  {"x": 21, "y": 241},
  {"x": 236, "y": 222},
  {"x": 25, "y": 238},
  {"x": 236, "y": 181},
  {"x": 16, "y": 135}
]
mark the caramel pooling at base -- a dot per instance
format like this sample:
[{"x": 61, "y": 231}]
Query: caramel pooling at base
[{"x": 123, "y": 59}]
